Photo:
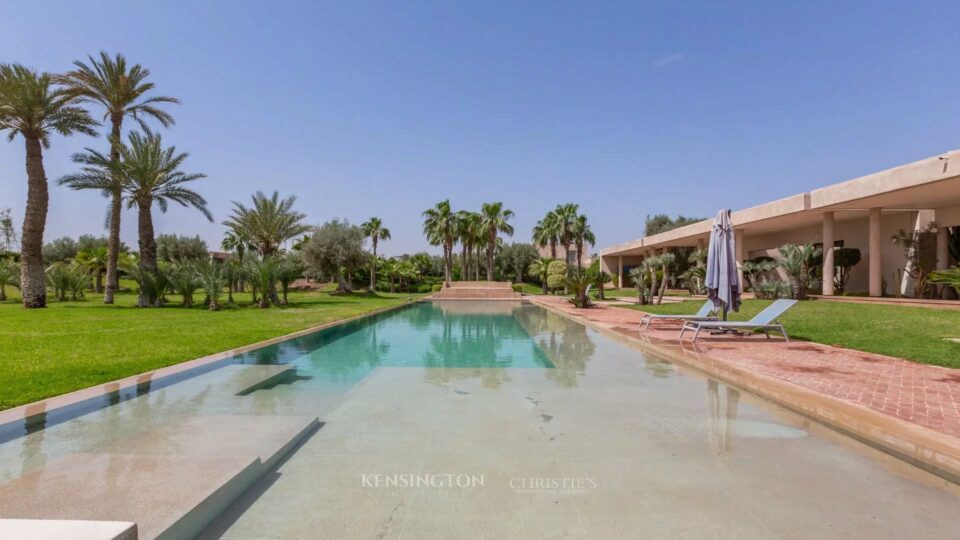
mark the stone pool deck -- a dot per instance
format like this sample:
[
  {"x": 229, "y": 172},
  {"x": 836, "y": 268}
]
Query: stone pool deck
[{"x": 906, "y": 408}]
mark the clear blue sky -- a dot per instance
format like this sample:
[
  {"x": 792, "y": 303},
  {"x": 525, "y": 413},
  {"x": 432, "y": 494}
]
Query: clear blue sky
[{"x": 629, "y": 109}]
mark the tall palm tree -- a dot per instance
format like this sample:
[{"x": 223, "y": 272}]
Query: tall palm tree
[
  {"x": 468, "y": 224},
  {"x": 545, "y": 233},
  {"x": 439, "y": 226},
  {"x": 121, "y": 90},
  {"x": 152, "y": 175},
  {"x": 32, "y": 106},
  {"x": 566, "y": 217},
  {"x": 494, "y": 218},
  {"x": 267, "y": 224},
  {"x": 582, "y": 234},
  {"x": 374, "y": 230}
]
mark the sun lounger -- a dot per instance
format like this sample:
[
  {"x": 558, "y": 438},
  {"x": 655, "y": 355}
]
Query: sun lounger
[
  {"x": 702, "y": 315},
  {"x": 764, "y": 321}
]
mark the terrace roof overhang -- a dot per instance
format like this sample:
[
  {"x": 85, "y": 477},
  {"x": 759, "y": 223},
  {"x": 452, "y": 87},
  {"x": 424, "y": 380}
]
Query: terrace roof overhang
[{"x": 927, "y": 184}]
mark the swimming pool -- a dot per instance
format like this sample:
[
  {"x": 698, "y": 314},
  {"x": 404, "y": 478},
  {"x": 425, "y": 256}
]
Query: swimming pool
[{"x": 470, "y": 419}]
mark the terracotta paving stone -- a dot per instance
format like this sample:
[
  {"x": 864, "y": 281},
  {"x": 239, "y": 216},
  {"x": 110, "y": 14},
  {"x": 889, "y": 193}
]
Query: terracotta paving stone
[{"x": 919, "y": 393}]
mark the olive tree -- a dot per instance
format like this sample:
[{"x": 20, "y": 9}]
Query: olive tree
[{"x": 336, "y": 250}]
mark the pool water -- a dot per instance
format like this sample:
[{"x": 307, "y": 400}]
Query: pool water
[{"x": 574, "y": 434}]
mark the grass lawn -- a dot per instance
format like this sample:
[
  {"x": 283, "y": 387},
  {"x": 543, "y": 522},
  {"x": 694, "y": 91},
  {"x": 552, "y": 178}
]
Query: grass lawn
[
  {"x": 530, "y": 288},
  {"x": 73, "y": 345},
  {"x": 905, "y": 332}
]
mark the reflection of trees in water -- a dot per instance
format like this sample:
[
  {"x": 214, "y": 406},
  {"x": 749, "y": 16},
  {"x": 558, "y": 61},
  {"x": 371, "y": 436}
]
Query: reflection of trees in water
[
  {"x": 470, "y": 346},
  {"x": 566, "y": 343},
  {"x": 338, "y": 359},
  {"x": 720, "y": 426}
]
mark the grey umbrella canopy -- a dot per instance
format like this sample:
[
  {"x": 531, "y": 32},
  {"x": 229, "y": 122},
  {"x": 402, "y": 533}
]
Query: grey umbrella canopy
[{"x": 723, "y": 283}]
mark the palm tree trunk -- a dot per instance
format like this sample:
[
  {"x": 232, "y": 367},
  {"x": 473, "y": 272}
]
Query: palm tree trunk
[
  {"x": 98, "y": 287},
  {"x": 491, "y": 245},
  {"x": 33, "y": 282},
  {"x": 464, "y": 264},
  {"x": 448, "y": 261},
  {"x": 579, "y": 255},
  {"x": 553, "y": 249},
  {"x": 373, "y": 267},
  {"x": 113, "y": 242},
  {"x": 653, "y": 282},
  {"x": 476, "y": 262},
  {"x": 148, "y": 250},
  {"x": 663, "y": 285}
]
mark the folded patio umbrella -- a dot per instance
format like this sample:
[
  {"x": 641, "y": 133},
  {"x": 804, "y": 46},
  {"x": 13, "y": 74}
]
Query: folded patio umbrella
[{"x": 723, "y": 283}]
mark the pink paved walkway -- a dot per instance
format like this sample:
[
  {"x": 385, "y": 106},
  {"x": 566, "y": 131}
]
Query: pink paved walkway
[{"x": 918, "y": 393}]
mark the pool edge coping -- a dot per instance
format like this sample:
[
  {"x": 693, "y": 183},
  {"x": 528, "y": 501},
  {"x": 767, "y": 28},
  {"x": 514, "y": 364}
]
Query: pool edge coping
[
  {"x": 53, "y": 403},
  {"x": 935, "y": 452}
]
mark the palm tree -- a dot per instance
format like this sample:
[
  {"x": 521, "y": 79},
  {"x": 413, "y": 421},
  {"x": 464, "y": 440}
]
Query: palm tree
[
  {"x": 546, "y": 233},
  {"x": 796, "y": 261},
  {"x": 374, "y": 230},
  {"x": 267, "y": 224},
  {"x": 465, "y": 233},
  {"x": 31, "y": 106},
  {"x": 494, "y": 219},
  {"x": 582, "y": 234},
  {"x": 651, "y": 264},
  {"x": 566, "y": 216},
  {"x": 539, "y": 268},
  {"x": 638, "y": 274},
  {"x": 95, "y": 260},
  {"x": 666, "y": 260},
  {"x": 121, "y": 90},
  {"x": 152, "y": 175},
  {"x": 439, "y": 226}
]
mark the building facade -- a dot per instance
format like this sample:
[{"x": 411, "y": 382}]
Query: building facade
[{"x": 863, "y": 213}]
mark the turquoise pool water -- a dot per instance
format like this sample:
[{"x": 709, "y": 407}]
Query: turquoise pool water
[{"x": 431, "y": 335}]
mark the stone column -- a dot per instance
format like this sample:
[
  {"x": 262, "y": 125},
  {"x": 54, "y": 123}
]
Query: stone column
[
  {"x": 741, "y": 254},
  {"x": 876, "y": 257},
  {"x": 943, "y": 248},
  {"x": 620, "y": 271},
  {"x": 828, "y": 262}
]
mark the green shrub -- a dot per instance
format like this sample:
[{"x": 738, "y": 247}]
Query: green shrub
[
  {"x": 436, "y": 287},
  {"x": 557, "y": 275},
  {"x": 771, "y": 290}
]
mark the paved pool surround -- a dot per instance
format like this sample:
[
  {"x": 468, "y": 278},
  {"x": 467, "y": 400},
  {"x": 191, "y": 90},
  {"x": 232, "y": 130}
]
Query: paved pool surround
[{"x": 908, "y": 409}]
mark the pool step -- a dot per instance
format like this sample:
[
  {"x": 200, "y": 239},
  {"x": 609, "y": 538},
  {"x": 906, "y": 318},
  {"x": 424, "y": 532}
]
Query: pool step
[
  {"x": 195, "y": 468},
  {"x": 477, "y": 290}
]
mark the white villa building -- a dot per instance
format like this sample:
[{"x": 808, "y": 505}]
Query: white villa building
[{"x": 862, "y": 213}]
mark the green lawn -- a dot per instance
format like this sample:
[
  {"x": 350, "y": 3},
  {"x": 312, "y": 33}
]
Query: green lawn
[
  {"x": 73, "y": 345},
  {"x": 905, "y": 332},
  {"x": 530, "y": 288}
]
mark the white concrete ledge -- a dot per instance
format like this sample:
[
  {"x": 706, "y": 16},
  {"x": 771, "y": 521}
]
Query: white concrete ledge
[{"x": 58, "y": 529}]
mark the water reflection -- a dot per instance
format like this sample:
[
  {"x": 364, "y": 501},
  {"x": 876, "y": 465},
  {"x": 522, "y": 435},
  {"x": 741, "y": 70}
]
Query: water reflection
[
  {"x": 721, "y": 425},
  {"x": 566, "y": 343}
]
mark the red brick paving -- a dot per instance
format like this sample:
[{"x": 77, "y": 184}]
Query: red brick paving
[{"x": 919, "y": 393}]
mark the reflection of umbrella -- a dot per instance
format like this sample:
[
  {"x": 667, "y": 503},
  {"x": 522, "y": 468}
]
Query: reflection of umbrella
[{"x": 723, "y": 284}]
